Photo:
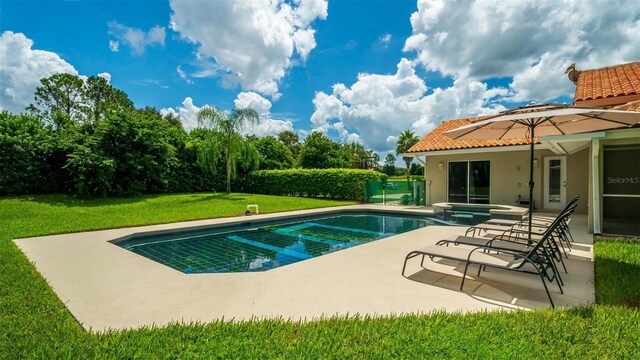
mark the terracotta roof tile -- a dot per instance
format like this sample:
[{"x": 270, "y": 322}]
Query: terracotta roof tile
[
  {"x": 617, "y": 80},
  {"x": 436, "y": 140},
  {"x": 630, "y": 106}
]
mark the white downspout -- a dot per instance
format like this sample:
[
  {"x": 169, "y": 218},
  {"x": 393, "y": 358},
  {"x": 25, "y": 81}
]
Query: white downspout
[{"x": 595, "y": 177}]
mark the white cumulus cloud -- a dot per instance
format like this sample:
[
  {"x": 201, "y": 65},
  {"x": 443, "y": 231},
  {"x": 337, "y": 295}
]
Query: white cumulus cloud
[
  {"x": 106, "y": 76},
  {"x": 138, "y": 40},
  {"x": 188, "y": 113},
  {"x": 377, "y": 107},
  {"x": 253, "y": 40},
  {"x": 22, "y": 67},
  {"x": 267, "y": 125},
  {"x": 531, "y": 41}
]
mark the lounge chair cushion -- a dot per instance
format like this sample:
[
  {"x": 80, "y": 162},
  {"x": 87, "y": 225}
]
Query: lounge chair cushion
[
  {"x": 460, "y": 253},
  {"x": 474, "y": 241}
]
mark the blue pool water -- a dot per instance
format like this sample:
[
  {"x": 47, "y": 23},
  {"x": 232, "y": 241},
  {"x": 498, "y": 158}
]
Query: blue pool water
[{"x": 246, "y": 248}]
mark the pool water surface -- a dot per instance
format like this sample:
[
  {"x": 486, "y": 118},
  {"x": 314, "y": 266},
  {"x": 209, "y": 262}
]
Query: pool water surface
[{"x": 216, "y": 250}]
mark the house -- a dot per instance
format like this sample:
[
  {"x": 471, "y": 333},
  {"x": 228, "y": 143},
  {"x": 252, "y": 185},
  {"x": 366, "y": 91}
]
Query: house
[{"x": 602, "y": 167}]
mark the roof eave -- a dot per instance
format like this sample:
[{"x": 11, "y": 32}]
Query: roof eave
[{"x": 487, "y": 149}]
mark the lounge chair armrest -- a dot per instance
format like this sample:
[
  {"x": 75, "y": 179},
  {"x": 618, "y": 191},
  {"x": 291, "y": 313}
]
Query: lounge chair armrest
[
  {"x": 473, "y": 229},
  {"x": 516, "y": 254},
  {"x": 509, "y": 239}
]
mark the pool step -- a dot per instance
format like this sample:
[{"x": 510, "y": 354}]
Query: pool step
[
  {"x": 308, "y": 237},
  {"x": 341, "y": 228},
  {"x": 276, "y": 249}
]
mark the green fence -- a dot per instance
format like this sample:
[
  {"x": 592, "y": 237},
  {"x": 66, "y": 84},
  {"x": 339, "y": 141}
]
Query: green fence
[{"x": 399, "y": 192}]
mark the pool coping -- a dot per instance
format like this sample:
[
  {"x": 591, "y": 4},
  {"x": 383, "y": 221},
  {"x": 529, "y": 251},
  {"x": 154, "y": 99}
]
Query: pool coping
[
  {"x": 107, "y": 287},
  {"x": 505, "y": 210}
]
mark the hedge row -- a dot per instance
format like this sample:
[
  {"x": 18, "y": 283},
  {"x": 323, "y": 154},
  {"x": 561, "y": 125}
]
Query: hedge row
[{"x": 348, "y": 184}]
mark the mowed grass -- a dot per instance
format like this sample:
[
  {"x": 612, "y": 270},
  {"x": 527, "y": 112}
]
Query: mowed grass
[
  {"x": 35, "y": 215},
  {"x": 618, "y": 272},
  {"x": 34, "y": 323}
]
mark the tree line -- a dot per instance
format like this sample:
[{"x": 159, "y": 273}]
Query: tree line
[{"x": 84, "y": 136}]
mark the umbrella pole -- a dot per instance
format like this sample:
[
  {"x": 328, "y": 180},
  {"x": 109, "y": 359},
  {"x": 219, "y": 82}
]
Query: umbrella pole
[{"x": 531, "y": 183}]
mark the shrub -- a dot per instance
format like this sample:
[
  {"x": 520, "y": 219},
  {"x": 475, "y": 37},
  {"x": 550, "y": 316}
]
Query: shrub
[
  {"x": 346, "y": 184},
  {"x": 127, "y": 154},
  {"x": 26, "y": 146}
]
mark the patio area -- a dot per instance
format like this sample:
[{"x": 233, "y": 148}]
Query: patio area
[{"x": 106, "y": 287}]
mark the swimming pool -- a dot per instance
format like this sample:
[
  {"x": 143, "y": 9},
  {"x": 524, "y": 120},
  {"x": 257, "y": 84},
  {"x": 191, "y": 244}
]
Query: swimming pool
[{"x": 247, "y": 247}]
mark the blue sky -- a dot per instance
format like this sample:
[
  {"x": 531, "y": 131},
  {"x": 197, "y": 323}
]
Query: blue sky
[{"x": 357, "y": 70}]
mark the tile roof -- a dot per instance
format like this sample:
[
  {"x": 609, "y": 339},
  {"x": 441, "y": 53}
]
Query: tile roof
[
  {"x": 630, "y": 106},
  {"x": 437, "y": 141},
  {"x": 612, "y": 81}
]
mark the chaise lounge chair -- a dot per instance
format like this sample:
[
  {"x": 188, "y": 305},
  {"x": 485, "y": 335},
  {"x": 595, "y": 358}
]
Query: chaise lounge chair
[
  {"x": 538, "y": 256},
  {"x": 519, "y": 241}
]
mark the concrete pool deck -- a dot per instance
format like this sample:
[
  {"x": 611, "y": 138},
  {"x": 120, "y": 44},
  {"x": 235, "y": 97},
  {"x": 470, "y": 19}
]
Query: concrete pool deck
[{"x": 107, "y": 287}]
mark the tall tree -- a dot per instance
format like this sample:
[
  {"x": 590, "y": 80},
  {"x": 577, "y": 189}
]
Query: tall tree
[
  {"x": 376, "y": 159},
  {"x": 63, "y": 99},
  {"x": 99, "y": 97},
  {"x": 274, "y": 155},
  {"x": 358, "y": 154},
  {"x": 59, "y": 99},
  {"x": 319, "y": 152},
  {"x": 291, "y": 140},
  {"x": 229, "y": 126},
  {"x": 406, "y": 140},
  {"x": 389, "y": 165}
]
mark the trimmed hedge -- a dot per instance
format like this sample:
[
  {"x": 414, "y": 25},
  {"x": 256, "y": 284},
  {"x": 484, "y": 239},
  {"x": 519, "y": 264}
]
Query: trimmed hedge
[{"x": 345, "y": 184}]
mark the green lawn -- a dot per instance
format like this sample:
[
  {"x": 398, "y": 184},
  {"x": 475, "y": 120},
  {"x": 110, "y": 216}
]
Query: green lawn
[
  {"x": 618, "y": 272},
  {"x": 35, "y": 324}
]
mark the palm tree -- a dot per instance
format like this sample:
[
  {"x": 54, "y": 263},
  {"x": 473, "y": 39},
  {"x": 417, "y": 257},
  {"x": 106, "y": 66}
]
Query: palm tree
[
  {"x": 228, "y": 126},
  {"x": 406, "y": 140}
]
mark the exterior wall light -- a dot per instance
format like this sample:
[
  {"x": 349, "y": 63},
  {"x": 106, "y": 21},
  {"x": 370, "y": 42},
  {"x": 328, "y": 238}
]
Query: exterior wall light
[
  {"x": 535, "y": 163},
  {"x": 440, "y": 165}
]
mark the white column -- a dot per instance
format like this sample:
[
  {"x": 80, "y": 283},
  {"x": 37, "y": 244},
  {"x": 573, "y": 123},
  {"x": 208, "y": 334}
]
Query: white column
[
  {"x": 595, "y": 190},
  {"x": 424, "y": 173}
]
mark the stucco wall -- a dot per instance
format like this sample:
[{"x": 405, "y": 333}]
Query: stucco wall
[
  {"x": 578, "y": 179},
  {"x": 510, "y": 176}
]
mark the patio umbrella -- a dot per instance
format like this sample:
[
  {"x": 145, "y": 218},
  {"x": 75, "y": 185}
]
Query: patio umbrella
[{"x": 543, "y": 120}]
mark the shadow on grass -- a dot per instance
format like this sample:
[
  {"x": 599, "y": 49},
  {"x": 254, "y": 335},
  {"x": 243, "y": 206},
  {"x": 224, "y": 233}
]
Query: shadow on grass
[
  {"x": 83, "y": 201},
  {"x": 617, "y": 282},
  {"x": 220, "y": 196}
]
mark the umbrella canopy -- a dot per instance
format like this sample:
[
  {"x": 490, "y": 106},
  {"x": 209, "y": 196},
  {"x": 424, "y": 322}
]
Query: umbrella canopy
[
  {"x": 547, "y": 119},
  {"x": 543, "y": 120}
]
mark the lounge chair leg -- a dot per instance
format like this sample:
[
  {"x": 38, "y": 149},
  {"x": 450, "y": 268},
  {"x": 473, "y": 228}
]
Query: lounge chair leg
[
  {"x": 404, "y": 267},
  {"x": 560, "y": 285},
  {"x": 464, "y": 276},
  {"x": 547, "y": 290}
]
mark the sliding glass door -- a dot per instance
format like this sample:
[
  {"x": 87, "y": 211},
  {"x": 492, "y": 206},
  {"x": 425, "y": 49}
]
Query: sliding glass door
[
  {"x": 469, "y": 182},
  {"x": 458, "y": 179}
]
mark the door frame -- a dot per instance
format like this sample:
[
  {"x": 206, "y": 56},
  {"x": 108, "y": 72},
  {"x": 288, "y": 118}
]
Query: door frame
[
  {"x": 563, "y": 183},
  {"x": 467, "y": 179}
]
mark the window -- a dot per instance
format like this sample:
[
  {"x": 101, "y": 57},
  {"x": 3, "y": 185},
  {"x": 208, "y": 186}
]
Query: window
[{"x": 469, "y": 182}]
